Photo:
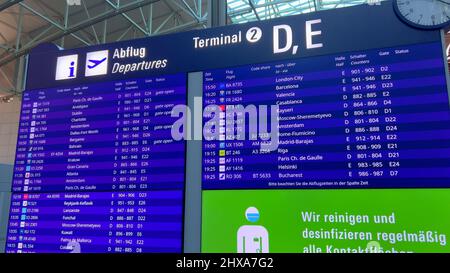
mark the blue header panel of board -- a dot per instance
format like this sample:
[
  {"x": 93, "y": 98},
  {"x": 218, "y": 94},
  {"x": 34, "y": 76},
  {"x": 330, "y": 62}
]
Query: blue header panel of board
[{"x": 325, "y": 32}]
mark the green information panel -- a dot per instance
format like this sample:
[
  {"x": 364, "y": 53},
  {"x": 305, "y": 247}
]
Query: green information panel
[{"x": 331, "y": 221}]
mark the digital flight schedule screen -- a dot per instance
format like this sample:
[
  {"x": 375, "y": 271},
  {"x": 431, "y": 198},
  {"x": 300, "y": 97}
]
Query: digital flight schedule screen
[
  {"x": 362, "y": 162},
  {"x": 370, "y": 119},
  {"x": 97, "y": 169}
]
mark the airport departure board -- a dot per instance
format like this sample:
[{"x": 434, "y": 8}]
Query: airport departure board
[
  {"x": 97, "y": 169},
  {"x": 359, "y": 145},
  {"x": 363, "y": 161},
  {"x": 367, "y": 119}
]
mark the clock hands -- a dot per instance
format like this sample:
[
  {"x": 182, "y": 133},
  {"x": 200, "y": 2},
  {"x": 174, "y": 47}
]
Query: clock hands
[{"x": 442, "y": 1}]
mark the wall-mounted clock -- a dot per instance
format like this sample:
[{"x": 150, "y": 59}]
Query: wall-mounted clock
[{"x": 425, "y": 14}]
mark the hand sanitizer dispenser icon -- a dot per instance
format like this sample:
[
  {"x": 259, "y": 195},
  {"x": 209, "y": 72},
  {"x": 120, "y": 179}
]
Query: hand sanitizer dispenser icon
[{"x": 252, "y": 238}]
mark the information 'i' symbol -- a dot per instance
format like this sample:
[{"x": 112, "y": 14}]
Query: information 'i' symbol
[{"x": 72, "y": 70}]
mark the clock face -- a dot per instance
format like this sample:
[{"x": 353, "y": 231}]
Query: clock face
[{"x": 429, "y": 14}]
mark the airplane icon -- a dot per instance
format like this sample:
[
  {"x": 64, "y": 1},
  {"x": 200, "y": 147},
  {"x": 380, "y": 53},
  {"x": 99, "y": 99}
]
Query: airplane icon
[{"x": 95, "y": 63}]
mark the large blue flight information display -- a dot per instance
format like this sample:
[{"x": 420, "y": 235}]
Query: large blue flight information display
[
  {"x": 100, "y": 163},
  {"x": 372, "y": 119},
  {"x": 97, "y": 169}
]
